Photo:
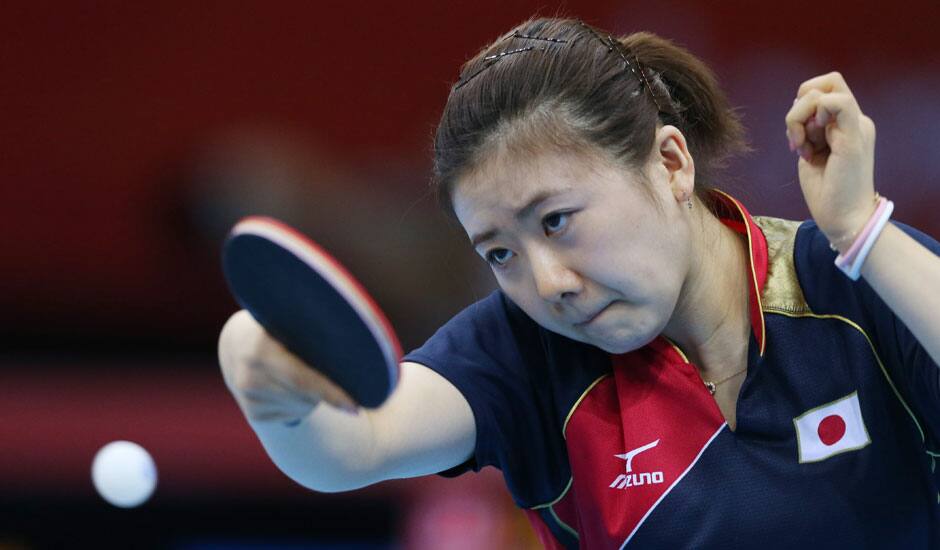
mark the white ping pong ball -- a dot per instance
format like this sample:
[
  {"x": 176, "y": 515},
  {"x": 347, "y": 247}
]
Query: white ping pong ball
[{"x": 124, "y": 474}]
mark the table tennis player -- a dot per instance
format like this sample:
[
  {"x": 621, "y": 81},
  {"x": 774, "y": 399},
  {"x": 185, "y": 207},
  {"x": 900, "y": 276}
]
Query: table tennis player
[{"x": 659, "y": 368}]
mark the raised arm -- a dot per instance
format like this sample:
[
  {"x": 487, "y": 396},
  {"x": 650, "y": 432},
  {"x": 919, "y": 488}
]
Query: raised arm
[
  {"x": 425, "y": 426},
  {"x": 905, "y": 275},
  {"x": 836, "y": 144}
]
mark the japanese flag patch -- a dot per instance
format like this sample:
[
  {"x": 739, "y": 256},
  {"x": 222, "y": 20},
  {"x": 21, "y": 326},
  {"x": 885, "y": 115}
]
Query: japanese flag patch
[{"x": 830, "y": 429}]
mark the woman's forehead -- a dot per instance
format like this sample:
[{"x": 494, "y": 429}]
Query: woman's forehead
[
  {"x": 506, "y": 180},
  {"x": 495, "y": 193}
]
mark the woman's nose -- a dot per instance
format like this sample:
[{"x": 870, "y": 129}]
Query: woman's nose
[{"x": 554, "y": 281}]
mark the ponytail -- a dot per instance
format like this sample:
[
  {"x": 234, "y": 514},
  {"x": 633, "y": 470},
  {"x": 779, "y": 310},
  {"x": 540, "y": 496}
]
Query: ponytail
[{"x": 692, "y": 101}]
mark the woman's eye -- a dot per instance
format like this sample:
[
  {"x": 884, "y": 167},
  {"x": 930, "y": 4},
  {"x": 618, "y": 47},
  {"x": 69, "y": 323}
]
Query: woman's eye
[
  {"x": 553, "y": 223},
  {"x": 498, "y": 256}
]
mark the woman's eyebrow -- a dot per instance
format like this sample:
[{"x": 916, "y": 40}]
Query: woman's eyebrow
[{"x": 522, "y": 213}]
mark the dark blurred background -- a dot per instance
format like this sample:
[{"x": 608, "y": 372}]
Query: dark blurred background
[{"x": 133, "y": 136}]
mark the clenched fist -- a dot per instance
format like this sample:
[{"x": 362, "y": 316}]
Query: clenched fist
[{"x": 836, "y": 143}]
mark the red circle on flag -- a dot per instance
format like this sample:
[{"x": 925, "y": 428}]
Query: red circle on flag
[{"x": 831, "y": 429}]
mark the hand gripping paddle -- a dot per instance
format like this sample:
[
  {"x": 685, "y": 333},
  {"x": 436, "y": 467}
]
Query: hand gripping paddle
[{"x": 314, "y": 307}]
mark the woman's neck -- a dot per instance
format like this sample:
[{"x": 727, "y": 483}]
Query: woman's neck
[{"x": 711, "y": 321}]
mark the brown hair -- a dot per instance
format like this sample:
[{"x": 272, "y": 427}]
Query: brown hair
[{"x": 565, "y": 83}]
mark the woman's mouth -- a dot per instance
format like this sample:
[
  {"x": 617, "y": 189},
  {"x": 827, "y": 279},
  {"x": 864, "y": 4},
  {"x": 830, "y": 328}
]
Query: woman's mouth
[{"x": 594, "y": 316}]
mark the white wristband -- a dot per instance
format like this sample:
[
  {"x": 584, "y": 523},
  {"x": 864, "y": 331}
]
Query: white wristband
[{"x": 854, "y": 270}]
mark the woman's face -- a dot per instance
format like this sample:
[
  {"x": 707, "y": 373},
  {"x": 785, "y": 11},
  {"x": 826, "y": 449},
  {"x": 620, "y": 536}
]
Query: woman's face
[{"x": 578, "y": 244}]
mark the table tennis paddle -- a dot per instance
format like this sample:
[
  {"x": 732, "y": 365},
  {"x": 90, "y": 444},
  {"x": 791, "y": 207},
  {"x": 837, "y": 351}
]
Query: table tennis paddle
[{"x": 312, "y": 305}]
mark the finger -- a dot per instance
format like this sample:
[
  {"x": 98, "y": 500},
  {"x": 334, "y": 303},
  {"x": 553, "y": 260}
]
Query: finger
[
  {"x": 830, "y": 82},
  {"x": 252, "y": 383},
  {"x": 236, "y": 331},
  {"x": 814, "y": 143},
  {"x": 287, "y": 391},
  {"x": 802, "y": 109},
  {"x": 815, "y": 135},
  {"x": 266, "y": 394},
  {"x": 272, "y": 414},
  {"x": 301, "y": 378},
  {"x": 312, "y": 386},
  {"x": 336, "y": 396},
  {"x": 282, "y": 378},
  {"x": 274, "y": 400},
  {"x": 840, "y": 108},
  {"x": 822, "y": 109}
]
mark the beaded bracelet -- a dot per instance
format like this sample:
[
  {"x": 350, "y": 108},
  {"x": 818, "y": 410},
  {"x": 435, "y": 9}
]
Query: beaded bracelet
[{"x": 851, "y": 261}]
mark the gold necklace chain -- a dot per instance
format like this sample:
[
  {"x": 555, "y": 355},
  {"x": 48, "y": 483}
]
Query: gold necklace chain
[{"x": 713, "y": 386}]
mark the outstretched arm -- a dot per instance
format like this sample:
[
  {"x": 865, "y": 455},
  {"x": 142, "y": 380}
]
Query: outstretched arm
[{"x": 424, "y": 427}]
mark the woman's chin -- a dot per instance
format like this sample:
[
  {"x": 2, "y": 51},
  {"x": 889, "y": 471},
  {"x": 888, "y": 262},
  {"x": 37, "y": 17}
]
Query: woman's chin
[
  {"x": 623, "y": 343},
  {"x": 616, "y": 347}
]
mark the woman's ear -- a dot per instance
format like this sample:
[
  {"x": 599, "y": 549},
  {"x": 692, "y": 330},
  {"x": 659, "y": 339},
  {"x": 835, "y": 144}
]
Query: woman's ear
[{"x": 673, "y": 157}]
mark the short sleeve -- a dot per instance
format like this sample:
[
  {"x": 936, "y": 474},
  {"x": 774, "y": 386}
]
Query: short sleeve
[
  {"x": 915, "y": 375},
  {"x": 492, "y": 352},
  {"x": 906, "y": 357}
]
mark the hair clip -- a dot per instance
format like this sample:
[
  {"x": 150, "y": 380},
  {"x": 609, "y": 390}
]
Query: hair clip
[
  {"x": 636, "y": 68},
  {"x": 641, "y": 75},
  {"x": 489, "y": 61},
  {"x": 611, "y": 45},
  {"x": 510, "y": 52},
  {"x": 647, "y": 82},
  {"x": 526, "y": 37}
]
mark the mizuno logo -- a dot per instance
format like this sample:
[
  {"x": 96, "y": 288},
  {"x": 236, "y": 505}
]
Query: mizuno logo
[
  {"x": 629, "y": 456},
  {"x": 633, "y": 480}
]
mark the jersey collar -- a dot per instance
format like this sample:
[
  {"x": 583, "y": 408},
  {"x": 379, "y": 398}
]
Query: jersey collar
[{"x": 733, "y": 214}]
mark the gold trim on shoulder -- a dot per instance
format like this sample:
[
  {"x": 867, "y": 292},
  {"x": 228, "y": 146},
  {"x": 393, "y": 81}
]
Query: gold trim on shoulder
[{"x": 782, "y": 291}]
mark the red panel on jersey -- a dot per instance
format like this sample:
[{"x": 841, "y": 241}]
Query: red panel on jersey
[{"x": 633, "y": 437}]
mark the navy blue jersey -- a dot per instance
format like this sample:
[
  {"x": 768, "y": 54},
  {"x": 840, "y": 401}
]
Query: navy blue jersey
[{"x": 838, "y": 418}]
